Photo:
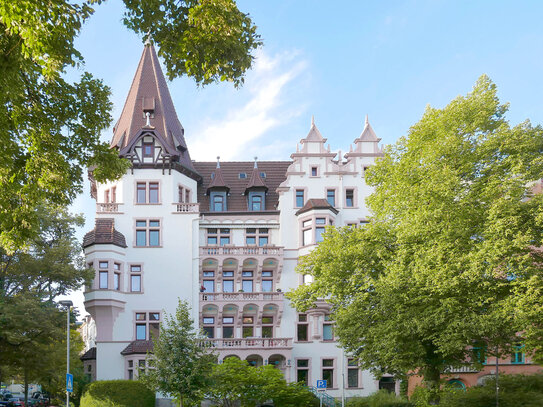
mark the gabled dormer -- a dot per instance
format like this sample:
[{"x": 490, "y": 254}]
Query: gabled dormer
[
  {"x": 218, "y": 191},
  {"x": 148, "y": 132},
  {"x": 367, "y": 144},
  {"x": 256, "y": 191}
]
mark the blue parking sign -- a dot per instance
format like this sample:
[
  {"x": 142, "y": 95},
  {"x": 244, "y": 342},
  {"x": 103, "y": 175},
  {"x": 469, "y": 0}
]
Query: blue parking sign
[
  {"x": 321, "y": 384},
  {"x": 69, "y": 382}
]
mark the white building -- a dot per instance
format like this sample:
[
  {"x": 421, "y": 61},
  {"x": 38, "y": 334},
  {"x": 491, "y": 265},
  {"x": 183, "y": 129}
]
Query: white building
[{"x": 224, "y": 236}]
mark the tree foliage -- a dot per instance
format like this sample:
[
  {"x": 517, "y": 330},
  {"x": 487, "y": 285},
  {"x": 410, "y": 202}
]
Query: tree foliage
[
  {"x": 448, "y": 259},
  {"x": 29, "y": 282},
  {"x": 51, "y": 127},
  {"x": 235, "y": 381},
  {"x": 181, "y": 365}
]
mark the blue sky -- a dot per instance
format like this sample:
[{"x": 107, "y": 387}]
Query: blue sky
[{"x": 337, "y": 61}]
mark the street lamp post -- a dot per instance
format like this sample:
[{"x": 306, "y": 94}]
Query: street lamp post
[{"x": 68, "y": 304}]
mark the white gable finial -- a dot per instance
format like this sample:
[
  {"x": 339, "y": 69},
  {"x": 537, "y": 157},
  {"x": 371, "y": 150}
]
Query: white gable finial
[
  {"x": 297, "y": 148},
  {"x": 148, "y": 116},
  {"x": 312, "y": 120},
  {"x": 328, "y": 147},
  {"x": 367, "y": 121},
  {"x": 148, "y": 40},
  {"x": 340, "y": 158},
  {"x": 350, "y": 148},
  {"x": 256, "y": 165},
  {"x": 218, "y": 161}
]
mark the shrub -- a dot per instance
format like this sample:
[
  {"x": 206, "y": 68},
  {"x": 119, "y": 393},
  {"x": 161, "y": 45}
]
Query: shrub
[
  {"x": 515, "y": 391},
  {"x": 382, "y": 398},
  {"x": 117, "y": 393}
]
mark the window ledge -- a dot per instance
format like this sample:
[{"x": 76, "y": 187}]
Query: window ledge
[
  {"x": 147, "y": 247},
  {"x": 148, "y": 203}
]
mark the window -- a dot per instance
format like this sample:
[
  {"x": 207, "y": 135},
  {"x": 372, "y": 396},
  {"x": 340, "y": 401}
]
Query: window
[
  {"x": 254, "y": 236},
  {"x": 327, "y": 329},
  {"x": 221, "y": 236},
  {"x": 256, "y": 201},
  {"x": 135, "y": 278},
  {"x": 352, "y": 373},
  {"x": 314, "y": 171},
  {"x": 228, "y": 327},
  {"x": 242, "y": 175},
  {"x": 106, "y": 196},
  {"x": 331, "y": 196},
  {"x": 319, "y": 230},
  {"x": 517, "y": 357},
  {"x": 479, "y": 354},
  {"x": 227, "y": 286},
  {"x": 302, "y": 371},
  {"x": 217, "y": 201},
  {"x": 302, "y": 328},
  {"x": 267, "y": 327},
  {"x": 103, "y": 274},
  {"x": 300, "y": 198},
  {"x": 262, "y": 175},
  {"x": 328, "y": 372},
  {"x": 147, "y": 193},
  {"x": 349, "y": 198},
  {"x": 248, "y": 327},
  {"x": 130, "y": 370},
  {"x": 209, "y": 286},
  {"x": 247, "y": 286},
  {"x": 183, "y": 194},
  {"x": 147, "y": 232},
  {"x": 307, "y": 232},
  {"x": 267, "y": 286},
  {"x": 209, "y": 329},
  {"x": 117, "y": 281},
  {"x": 147, "y": 325},
  {"x": 148, "y": 148}
]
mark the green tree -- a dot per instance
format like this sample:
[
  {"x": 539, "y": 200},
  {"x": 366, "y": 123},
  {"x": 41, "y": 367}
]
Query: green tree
[
  {"x": 29, "y": 282},
  {"x": 235, "y": 381},
  {"x": 51, "y": 127},
  {"x": 181, "y": 365},
  {"x": 448, "y": 259}
]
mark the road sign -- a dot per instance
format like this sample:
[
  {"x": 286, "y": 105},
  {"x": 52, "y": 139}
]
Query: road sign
[
  {"x": 321, "y": 384},
  {"x": 69, "y": 382}
]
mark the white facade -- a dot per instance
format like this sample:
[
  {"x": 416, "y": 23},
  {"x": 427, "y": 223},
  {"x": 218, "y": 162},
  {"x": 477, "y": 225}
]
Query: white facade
[{"x": 226, "y": 238}]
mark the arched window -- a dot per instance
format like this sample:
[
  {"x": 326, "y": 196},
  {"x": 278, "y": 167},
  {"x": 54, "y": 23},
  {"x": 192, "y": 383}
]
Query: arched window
[{"x": 456, "y": 384}]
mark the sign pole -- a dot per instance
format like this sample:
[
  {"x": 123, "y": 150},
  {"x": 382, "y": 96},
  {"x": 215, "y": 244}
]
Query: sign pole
[{"x": 68, "y": 353}]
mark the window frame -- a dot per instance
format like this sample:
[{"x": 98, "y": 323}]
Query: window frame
[
  {"x": 143, "y": 190},
  {"x": 148, "y": 231}
]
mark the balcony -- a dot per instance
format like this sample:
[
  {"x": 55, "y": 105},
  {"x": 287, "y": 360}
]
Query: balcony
[
  {"x": 241, "y": 251},
  {"x": 238, "y": 297},
  {"x": 248, "y": 343},
  {"x": 186, "y": 207},
  {"x": 111, "y": 207}
]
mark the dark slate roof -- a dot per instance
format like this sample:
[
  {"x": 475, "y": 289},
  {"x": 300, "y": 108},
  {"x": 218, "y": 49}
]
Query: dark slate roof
[
  {"x": 316, "y": 204},
  {"x": 237, "y": 200},
  {"x": 89, "y": 355},
  {"x": 138, "y": 347},
  {"x": 104, "y": 233},
  {"x": 149, "y": 91}
]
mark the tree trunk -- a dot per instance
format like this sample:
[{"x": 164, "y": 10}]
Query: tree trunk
[{"x": 432, "y": 379}]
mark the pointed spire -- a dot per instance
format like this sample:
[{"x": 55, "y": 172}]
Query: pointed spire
[
  {"x": 367, "y": 134},
  {"x": 314, "y": 133},
  {"x": 218, "y": 180},
  {"x": 149, "y": 107},
  {"x": 256, "y": 180}
]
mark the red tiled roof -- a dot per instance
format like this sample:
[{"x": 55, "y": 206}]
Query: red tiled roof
[
  {"x": 149, "y": 91},
  {"x": 89, "y": 355},
  {"x": 138, "y": 347},
  {"x": 104, "y": 232},
  {"x": 218, "y": 180},
  {"x": 256, "y": 180},
  {"x": 316, "y": 204},
  {"x": 237, "y": 202}
]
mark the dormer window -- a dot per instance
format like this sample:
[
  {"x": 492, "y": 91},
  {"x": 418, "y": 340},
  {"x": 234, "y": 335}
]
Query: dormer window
[
  {"x": 257, "y": 201},
  {"x": 217, "y": 201},
  {"x": 148, "y": 148},
  {"x": 242, "y": 175}
]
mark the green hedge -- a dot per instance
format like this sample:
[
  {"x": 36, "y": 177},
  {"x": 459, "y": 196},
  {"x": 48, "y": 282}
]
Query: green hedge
[
  {"x": 381, "y": 398},
  {"x": 515, "y": 391},
  {"x": 117, "y": 393}
]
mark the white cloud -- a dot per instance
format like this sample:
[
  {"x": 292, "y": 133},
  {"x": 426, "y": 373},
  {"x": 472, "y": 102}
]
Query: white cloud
[{"x": 264, "y": 107}]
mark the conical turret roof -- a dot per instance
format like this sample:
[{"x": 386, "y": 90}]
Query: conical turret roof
[
  {"x": 256, "y": 180},
  {"x": 149, "y": 96}
]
